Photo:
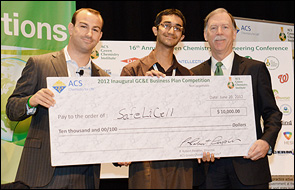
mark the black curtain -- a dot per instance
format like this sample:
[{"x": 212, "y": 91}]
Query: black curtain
[{"x": 133, "y": 20}]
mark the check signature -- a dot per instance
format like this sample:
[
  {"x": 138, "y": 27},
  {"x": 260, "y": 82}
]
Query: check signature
[{"x": 219, "y": 140}]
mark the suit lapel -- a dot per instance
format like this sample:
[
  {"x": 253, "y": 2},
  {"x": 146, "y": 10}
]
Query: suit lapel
[
  {"x": 94, "y": 70},
  {"x": 59, "y": 63},
  {"x": 238, "y": 65},
  {"x": 207, "y": 67}
]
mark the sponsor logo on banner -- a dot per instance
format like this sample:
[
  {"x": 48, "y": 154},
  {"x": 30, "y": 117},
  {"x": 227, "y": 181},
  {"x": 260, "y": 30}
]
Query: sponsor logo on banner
[
  {"x": 94, "y": 54},
  {"x": 288, "y": 142},
  {"x": 238, "y": 29},
  {"x": 108, "y": 71},
  {"x": 282, "y": 35},
  {"x": 248, "y": 57},
  {"x": 130, "y": 60},
  {"x": 190, "y": 61},
  {"x": 282, "y": 182},
  {"x": 108, "y": 53},
  {"x": 283, "y": 78},
  {"x": 246, "y": 30},
  {"x": 288, "y": 135},
  {"x": 280, "y": 98},
  {"x": 272, "y": 62},
  {"x": 283, "y": 152},
  {"x": 286, "y": 122},
  {"x": 290, "y": 34},
  {"x": 286, "y": 109}
]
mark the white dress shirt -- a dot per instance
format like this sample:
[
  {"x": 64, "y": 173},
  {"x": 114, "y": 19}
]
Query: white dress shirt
[{"x": 227, "y": 64}]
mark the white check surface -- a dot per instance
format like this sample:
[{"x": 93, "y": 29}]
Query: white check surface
[{"x": 117, "y": 119}]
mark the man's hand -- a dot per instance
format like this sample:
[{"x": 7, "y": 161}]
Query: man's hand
[
  {"x": 258, "y": 150},
  {"x": 155, "y": 73},
  {"x": 207, "y": 157},
  {"x": 124, "y": 163},
  {"x": 43, "y": 97}
]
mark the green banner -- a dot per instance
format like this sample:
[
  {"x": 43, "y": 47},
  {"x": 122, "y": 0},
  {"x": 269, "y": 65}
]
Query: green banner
[
  {"x": 36, "y": 24},
  {"x": 28, "y": 28}
]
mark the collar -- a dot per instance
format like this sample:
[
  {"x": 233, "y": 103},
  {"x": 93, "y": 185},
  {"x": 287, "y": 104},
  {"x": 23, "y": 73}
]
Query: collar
[
  {"x": 227, "y": 64},
  {"x": 69, "y": 60},
  {"x": 151, "y": 59}
]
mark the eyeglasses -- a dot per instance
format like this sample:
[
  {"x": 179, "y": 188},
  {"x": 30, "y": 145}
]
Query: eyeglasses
[
  {"x": 215, "y": 28},
  {"x": 168, "y": 26}
]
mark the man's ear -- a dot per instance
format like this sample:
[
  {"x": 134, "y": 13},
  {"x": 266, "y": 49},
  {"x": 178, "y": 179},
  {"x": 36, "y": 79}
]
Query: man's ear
[
  {"x": 100, "y": 35},
  {"x": 205, "y": 36},
  {"x": 71, "y": 28},
  {"x": 155, "y": 30},
  {"x": 182, "y": 37},
  {"x": 235, "y": 34}
]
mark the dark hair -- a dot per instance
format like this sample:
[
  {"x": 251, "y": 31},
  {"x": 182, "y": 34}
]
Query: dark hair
[
  {"x": 170, "y": 12},
  {"x": 219, "y": 10},
  {"x": 87, "y": 9}
]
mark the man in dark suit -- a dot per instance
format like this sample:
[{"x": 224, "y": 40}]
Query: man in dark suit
[
  {"x": 32, "y": 98},
  {"x": 251, "y": 171}
]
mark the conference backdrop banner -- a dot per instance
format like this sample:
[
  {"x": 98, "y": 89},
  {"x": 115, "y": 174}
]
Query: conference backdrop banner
[
  {"x": 113, "y": 55},
  {"x": 28, "y": 28},
  {"x": 255, "y": 30}
]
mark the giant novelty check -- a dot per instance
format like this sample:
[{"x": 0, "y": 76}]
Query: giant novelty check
[{"x": 118, "y": 119}]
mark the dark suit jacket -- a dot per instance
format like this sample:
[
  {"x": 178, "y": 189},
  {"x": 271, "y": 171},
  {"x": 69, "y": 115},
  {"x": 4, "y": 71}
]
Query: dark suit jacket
[
  {"x": 253, "y": 172},
  {"x": 35, "y": 165}
]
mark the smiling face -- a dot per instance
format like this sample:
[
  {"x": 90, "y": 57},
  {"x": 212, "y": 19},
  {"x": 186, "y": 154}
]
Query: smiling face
[
  {"x": 220, "y": 34},
  {"x": 169, "y": 36},
  {"x": 86, "y": 32}
]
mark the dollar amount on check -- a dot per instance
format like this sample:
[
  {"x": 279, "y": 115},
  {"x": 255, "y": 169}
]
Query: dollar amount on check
[{"x": 118, "y": 119}]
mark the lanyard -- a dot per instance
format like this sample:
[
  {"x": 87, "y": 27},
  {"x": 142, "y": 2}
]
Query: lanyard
[{"x": 156, "y": 68}]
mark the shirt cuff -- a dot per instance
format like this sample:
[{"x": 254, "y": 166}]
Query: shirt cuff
[
  {"x": 269, "y": 151},
  {"x": 30, "y": 111}
]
